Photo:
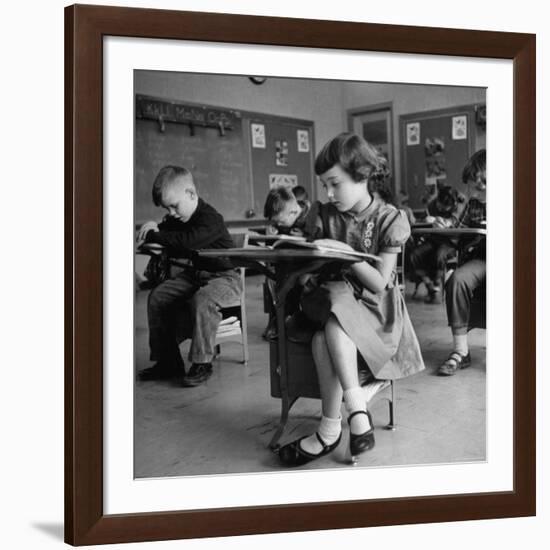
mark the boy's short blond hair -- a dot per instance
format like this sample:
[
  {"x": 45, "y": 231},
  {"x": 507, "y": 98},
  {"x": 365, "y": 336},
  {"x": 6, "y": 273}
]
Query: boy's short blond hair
[{"x": 166, "y": 177}]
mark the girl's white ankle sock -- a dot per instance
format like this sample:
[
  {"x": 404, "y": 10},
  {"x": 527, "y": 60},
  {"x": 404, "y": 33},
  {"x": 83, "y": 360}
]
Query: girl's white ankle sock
[
  {"x": 329, "y": 430},
  {"x": 460, "y": 343}
]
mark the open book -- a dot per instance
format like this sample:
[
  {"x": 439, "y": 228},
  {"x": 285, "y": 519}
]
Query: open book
[
  {"x": 275, "y": 238},
  {"x": 288, "y": 241}
]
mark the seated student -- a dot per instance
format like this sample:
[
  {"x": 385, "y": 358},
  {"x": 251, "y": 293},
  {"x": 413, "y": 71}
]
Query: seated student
[
  {"x": 301, "y": 194},
  {"x": 360, "y": 313},
  {"x": 285, "y": 213},
  {"x": 429, "y": 258},
  {"x": 470, "y": 276},
  {"x": 205, "y": 287}
]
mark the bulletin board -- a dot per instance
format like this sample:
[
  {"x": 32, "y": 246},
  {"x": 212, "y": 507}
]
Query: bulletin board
[{"x": 435, "y": 146}]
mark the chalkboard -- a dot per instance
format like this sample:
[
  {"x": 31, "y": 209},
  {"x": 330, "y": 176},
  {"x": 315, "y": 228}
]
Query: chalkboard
[{"x": 217, "y": 159}]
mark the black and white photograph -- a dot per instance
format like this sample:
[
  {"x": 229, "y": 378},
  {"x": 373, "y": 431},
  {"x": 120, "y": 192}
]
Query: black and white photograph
[{"x": 310, "y": 274}]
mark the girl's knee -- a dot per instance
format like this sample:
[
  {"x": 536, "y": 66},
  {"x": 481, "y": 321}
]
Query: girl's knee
[
  {"x": 332, "y": 323},
  {"x": 319, "y": 340}
]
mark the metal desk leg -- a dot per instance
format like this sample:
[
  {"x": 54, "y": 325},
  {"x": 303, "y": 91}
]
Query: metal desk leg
[
  {"x": 285, "y": 280},
  {"x": 391, "y": 402},
  {"x": 286, "y": 405}
]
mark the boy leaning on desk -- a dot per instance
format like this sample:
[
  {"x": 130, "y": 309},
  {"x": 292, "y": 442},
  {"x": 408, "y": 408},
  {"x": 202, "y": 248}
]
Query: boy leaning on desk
[
  {"x": 194, "y": 295},
  {"x": 287, "y": 215}
]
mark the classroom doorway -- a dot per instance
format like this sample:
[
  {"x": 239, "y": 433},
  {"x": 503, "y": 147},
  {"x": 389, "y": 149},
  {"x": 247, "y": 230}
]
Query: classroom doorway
[{"x": 375, "y": 124}]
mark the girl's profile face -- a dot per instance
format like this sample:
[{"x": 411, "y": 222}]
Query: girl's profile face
[{"x": 342, "y": 191}]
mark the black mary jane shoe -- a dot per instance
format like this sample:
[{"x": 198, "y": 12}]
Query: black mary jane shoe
[
  {"x": 293, "y": 455},
  {"x": 359, "y": 443}
]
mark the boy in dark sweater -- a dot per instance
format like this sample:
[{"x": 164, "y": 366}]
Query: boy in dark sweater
[{"x": 197, "y": 293}]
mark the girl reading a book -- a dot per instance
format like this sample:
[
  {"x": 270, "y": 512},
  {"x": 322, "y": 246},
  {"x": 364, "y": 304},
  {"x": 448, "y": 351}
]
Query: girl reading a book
[{"x": 365, "y": 319}]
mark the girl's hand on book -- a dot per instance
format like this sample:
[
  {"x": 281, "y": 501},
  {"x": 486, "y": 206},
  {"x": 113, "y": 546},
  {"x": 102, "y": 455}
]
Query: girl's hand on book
[{"x": 332, "y": 243}]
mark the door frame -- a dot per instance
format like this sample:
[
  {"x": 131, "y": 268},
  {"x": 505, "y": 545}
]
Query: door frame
[{"x": 375, "y": 108}]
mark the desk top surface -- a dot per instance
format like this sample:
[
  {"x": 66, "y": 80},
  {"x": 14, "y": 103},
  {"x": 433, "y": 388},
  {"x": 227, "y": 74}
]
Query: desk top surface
[
  {"x": 448, "y": 231},
  {"x": 263, "y": 254}
]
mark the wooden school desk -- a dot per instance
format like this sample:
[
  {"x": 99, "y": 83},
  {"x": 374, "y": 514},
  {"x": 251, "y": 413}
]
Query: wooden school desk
[
  {"x": 285, "y": 266},
  {"x": 448, "y": 231},
  {"x": 451, "y": 233}
]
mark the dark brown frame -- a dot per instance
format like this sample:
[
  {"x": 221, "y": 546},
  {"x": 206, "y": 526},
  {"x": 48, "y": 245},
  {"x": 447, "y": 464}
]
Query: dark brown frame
[{"x": 85, "y": 27}]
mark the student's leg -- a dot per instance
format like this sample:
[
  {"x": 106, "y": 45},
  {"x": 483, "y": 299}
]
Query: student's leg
[
  {"x": 162, "y": 307},
  {"x": 444, "y": 252},
  {"x": 270, "y": 330},
  {"x": 419, "y": 256},
  {"x": 458, "y": 296},
  {"x": 422, "y": 260},
  {"x": 327, "y": 435},
  {"x": 219, "y": 291},
  {"x": 343, "y": 353}
]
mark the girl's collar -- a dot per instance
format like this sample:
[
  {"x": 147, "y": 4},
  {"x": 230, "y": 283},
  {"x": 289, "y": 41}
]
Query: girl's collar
[{"x": 361, "y": 214}]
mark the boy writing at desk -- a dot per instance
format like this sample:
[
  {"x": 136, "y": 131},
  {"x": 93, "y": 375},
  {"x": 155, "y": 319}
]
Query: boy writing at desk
[
  {"x": 290, "y": 216},
  {"x": 286, "y": 214},
  {"x": 202, "y": 289}
]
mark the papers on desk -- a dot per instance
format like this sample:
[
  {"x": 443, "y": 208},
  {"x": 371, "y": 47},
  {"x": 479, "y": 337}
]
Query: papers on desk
[
  {"x": 300, "y": 242},
  {"x": 275, "y": 238}
]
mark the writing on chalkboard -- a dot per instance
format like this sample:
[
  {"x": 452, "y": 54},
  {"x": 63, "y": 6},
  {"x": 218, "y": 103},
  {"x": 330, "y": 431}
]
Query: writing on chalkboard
[{"x": 181, "y": 113}]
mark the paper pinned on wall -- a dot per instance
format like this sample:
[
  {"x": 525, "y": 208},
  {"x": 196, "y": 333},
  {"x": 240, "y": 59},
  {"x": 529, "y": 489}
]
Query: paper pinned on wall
[
  {"x": 460, "y": 127},
  {"x": 281, "y": 152},
  {"x": 413, "y": 133},
  {"x": 258, "y": 135},
  {"x": 283, "y": 180},
  {"x": 303, "y": 141}
]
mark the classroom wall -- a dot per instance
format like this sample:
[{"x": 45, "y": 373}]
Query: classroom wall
[
  {"x": 293, "y": 98},
  {"x": 319, "y": 101},
  {"x": 406, "y": 99}
]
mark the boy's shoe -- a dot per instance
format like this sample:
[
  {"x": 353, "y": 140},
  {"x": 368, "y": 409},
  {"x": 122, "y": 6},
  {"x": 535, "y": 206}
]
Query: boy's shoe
[
  {"x": 454, "y": 362},
  {"x": 198, "y": 373},
  {"x": 433, "y": 297},
  {"x": 159, "y": 371}
]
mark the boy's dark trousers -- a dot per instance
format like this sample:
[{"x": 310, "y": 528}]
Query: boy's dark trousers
[
  {"x": 188, "y": 306},
  {"x": 459, "y": 291}
]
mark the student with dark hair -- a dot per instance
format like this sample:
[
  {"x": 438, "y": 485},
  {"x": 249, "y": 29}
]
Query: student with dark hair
[
  {"x": 470, "y": 276},
  {"x": 363, "y": 317},
  {"x": 285, "y": 213},
  {"x": 300, "y": 193},
  {"x": 195, "y": 294},
  {"x": 429, "y": 258}
]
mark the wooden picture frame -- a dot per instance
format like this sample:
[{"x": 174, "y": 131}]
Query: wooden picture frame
[{"x": 85, "y": 521}]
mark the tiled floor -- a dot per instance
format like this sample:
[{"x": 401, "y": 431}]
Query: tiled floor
[{"x": 225, "y": 425}]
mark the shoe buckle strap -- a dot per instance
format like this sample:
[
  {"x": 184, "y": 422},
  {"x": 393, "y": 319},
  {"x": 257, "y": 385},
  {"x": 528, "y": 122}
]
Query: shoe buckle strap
[{"x": 455, "y": 357}]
